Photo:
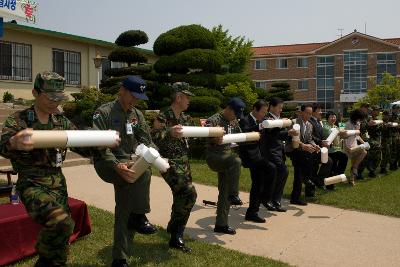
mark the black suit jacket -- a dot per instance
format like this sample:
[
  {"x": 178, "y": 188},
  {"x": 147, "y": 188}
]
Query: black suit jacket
[
  {"x": 249, "y": 152},
  {"x": 317, "y": 131},
  {"x": 271, "y": 143}
]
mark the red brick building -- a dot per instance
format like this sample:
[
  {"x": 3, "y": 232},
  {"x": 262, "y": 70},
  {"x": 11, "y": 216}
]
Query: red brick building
[{"x": 335, "y": 74}]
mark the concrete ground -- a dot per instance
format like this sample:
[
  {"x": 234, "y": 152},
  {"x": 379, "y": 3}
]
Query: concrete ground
[{"x": 314, "y": 235}]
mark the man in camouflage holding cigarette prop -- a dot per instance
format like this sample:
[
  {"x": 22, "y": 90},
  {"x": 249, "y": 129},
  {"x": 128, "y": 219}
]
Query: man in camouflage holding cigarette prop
[
  {"x": 167, "y": 136},
  {"x": 41, "y": 184}
]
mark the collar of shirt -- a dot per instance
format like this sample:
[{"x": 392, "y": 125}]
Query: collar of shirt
[
  {"x": 254, "y": 118},
  {"x": 274, "y": 116}
]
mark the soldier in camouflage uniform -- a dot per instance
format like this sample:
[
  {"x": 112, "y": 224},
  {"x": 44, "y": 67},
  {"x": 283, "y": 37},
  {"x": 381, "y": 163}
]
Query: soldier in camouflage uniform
[
  {"x": 132, "y": 200},
  {"x": 394, "y": 132},
  {"x": 385, "y": 142},
  {"x": 223, "y": 159},
  {"x": 168, "y": 137},
  {"x": 365, "y": 108},
  {"x": 41, "y": 184},
  {"x": 373, "y": 158}
]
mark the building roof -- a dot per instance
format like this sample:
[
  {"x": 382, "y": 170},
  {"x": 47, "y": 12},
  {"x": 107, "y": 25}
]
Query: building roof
[
  {"x": 307, "y": 48},
  {"x": 24, "y": 28}
]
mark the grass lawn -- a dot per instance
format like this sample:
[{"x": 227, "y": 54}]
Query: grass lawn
[
  {"x": 377, "y": 195},
  {"x": 95, "y": 249}
]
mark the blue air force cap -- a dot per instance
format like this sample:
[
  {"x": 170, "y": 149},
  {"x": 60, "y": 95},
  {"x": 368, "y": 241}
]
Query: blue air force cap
[
  {"x": 136, "y": 86},
  {"x": 238, "y": 106}
]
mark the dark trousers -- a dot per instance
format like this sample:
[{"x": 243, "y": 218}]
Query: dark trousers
[
  {"x": 281, "y": 174},
  {"x": 262, "y": 176},
  {"x": 339, "y": 162},
  {"x": 320, "y": 171},
  {"x": 302, "y": 164}
]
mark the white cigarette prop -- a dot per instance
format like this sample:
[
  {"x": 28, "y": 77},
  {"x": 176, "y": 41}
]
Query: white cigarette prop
[
  {"x": 148, "y": 156},
  {"x": 332, "y": 136},
  {"x": 276, "y": 123},
  {"x": 335, "y": 179},
  {"x": 378, "y": 122},
  {"x": 193, "y": 131},
  {"x": 393, "y": 124},
  {"x": 348, "y": 133},
  {"x": 324, "y": 155},
  {"x": 240, "y": 137},
  {"x": 296, "y": 138},
  {"x": 76, "y": 138}
]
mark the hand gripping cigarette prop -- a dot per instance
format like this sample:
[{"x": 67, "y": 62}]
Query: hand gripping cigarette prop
[
  {"x": 193, "y": 131},
  {"x": 335, "y": 179},
  {"x": 332, "y": 136},
  {"x": 296, "y": 138},
  {"x": 275, "y": 123},
  {"x": 324, "y": 155},
  {"x": 240, "y": 137},
  {"x": 378, "y": 122},
  {"x": 74, "y": 138},
  {"x": 146, "y": 157},
  {"x": 348, "y": 133},
  {"x": 365, "y": 146}
]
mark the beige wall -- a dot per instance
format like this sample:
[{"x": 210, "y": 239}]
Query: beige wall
[{"x": 42, "y": 46}]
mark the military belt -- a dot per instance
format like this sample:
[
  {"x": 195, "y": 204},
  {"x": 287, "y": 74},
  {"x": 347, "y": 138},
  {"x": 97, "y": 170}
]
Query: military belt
[{"x": 40, "y": 172}]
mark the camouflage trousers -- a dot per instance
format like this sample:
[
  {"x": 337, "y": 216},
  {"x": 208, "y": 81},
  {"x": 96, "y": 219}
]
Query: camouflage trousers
[
  {"x": 179, "y": 179},
  {"x": 386, "y": 153},
  {"x": 395, "y": 149},
  {"x": 374, "y": 156},
  {"x": 46, "y": 201}
]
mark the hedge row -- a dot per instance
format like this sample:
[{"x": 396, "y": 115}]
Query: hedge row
[
  {"x": 205, "y": 60},
  {"x": 134, "y": 70},
  {"x": 127, "y": 54},
  {"x": 132, "y": 38},
  {"x": 183, "y": 38}
]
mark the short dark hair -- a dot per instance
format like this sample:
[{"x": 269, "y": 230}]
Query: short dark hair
[
  {"x": 274, "y": 101},
  {"x": 330, "y": 113},
  {"x": 316, "y": 106},
  {"x": 356, "y": 115},
  {"x": 304, "y": 106},
  {"x": 259, "y": 104}
]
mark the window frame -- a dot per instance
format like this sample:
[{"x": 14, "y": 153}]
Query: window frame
[
  {"x": 13, "y": 68},
  {"x": 299, "y": 59},
  {"x": 260, "y": 60},
  {"x": 68, "y": 80},
  {"x": 278, "y": 63}
]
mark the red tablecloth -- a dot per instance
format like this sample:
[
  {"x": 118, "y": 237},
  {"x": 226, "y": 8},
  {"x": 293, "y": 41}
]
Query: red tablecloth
[{"x": 18, "y": 231}]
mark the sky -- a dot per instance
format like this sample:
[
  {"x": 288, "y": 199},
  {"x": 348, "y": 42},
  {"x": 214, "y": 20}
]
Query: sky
[{"x": 265, "y": 22}]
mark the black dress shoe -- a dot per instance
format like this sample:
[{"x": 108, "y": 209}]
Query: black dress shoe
[
  {"x": 383, "y": 171},
  {"x": 254, "y": 218},
  {"x": 177, "y": 242},
  {"x": 235, "y": 200},
  {"x": 371, "y": 174},
  {"x": 119, "y": 263},
  {"x": 44, "y": 262},
  {"x": 278, "y": 206},
  {"x": 269, "y": 206},
  {"x": 298, "y": 202},
  {"x": 224, "y": 229},
  {"x": 141, "y": 224}
]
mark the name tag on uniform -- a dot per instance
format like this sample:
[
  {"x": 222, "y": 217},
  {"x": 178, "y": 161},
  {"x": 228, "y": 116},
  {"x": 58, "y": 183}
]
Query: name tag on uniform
[
  {"x": 58, "y": 159},
  {"x": 129, "y": 129}
]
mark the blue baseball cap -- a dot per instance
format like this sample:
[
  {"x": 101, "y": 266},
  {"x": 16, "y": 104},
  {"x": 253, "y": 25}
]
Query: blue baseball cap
[
  {"x": 136, "y": 86},
  {"x": 238, "y": 106}
]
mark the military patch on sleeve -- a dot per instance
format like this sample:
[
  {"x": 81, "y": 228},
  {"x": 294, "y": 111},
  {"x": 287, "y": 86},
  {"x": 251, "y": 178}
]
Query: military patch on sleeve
[{"x": 96, "y": 115}]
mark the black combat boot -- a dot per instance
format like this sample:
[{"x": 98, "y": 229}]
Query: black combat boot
[
  {"x": 141, "y": 224},
  {"x": 177, "y": 242}
]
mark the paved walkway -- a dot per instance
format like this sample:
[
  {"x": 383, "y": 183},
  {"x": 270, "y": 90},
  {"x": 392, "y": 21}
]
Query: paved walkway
[{"x": 314, "y": 235}]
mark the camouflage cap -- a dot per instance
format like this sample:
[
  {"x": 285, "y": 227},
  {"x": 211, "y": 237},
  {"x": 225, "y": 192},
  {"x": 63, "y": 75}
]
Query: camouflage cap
[
  {"x": 182, "y": 87},
  {"x": 52, "y": 84}
]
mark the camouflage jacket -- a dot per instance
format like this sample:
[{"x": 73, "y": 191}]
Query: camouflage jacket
[
  {"x": 33, "y": 162},
  {"x": 364, "y": 129},
  {"x": 112, "y": 116},
  {"x": 375, "y": 132},
  {"x": 170, "y": 147},
  {"x": 218, "y": 120}
]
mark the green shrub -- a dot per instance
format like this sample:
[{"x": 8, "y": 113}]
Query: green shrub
[
  {"x": 111, "y": 81},
  {"x": 225, "y": 79},
  {"x": 132, "y": 38},
  {"x": 289, "y": 111},
  {"x": 201, "y": 91},
  {"x": 195, "y": 79},
  {"x": 261, "y": 92},
  {"x": 204, "y": 59},
  {"x": 112, "y": 90},
  {"x": 183, "y": 38},
  {"x": 8, "y": 97},
  {"x": 150, "y": 116},
  {"x": 203, "y": 106},
  {"x": 127, "y": 54},
  {"x": 242, "y": 90},
  {"x": 69, "y": 109},
  {"x": 134, "y": 70}
]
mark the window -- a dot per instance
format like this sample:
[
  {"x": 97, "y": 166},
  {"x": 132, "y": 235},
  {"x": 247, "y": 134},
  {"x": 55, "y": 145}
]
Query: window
[
  {"x": 281, "y": 63},
  {"x": 260, "y": 85},
  {"x": 68, "y": 65},
  {"x": 260, "y": 64},
  {"x": 355, "y": 72},
  {"x": 15, "y": 61},
  {"x": 325, "y": 82},
  {"x": 302, "y": 62},
  {"x": 385, "y": 63},
  {"x": 302, "y": 85}
]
